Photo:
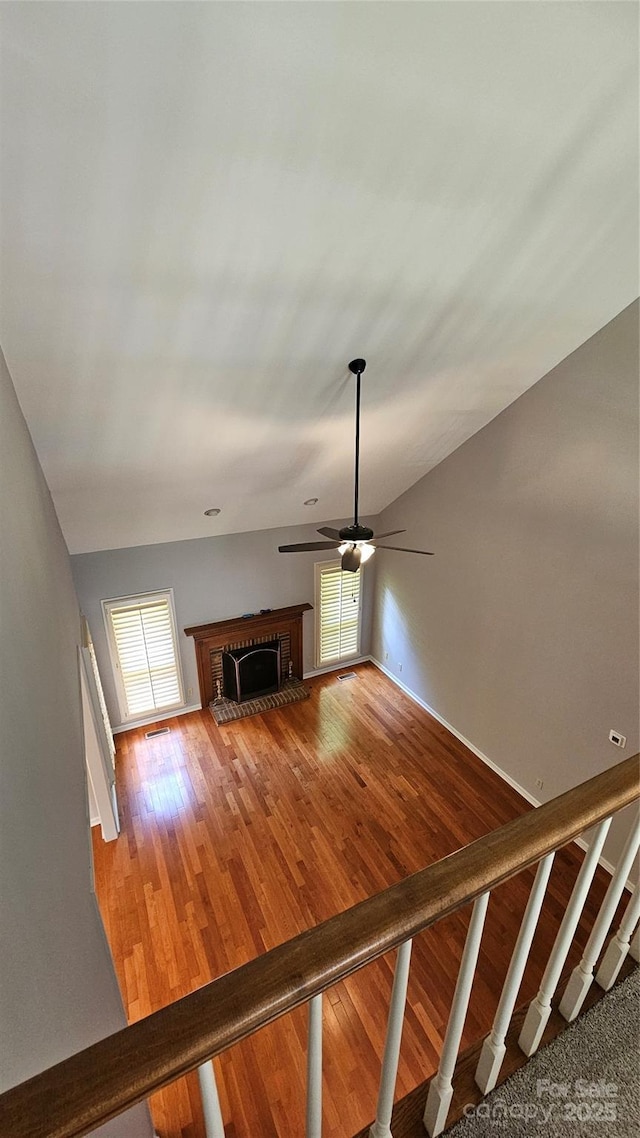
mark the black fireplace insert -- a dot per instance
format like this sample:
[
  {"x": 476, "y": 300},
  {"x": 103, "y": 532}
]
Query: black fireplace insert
[{"x": 251, "y": 671}]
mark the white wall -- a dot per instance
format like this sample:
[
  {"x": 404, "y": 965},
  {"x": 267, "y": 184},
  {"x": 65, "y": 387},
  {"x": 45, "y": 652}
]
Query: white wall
[
  {"x": 522, "y": 631},
  {"x": 58, "y": 990},
  {"x": 213, "y": 578}
]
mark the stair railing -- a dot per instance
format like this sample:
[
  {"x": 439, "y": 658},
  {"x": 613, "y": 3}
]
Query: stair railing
[{"x": 93, "y": 1086}]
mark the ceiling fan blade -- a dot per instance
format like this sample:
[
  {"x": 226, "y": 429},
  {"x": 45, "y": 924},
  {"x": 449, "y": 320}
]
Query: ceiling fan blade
[
  {"x": 306, "y": 546},
  {"x": 351, "y": 559},
  {"x": 391, "y": 533},
  {"x": 328, "y": 532},
  {"x": 400, "y": 549}
]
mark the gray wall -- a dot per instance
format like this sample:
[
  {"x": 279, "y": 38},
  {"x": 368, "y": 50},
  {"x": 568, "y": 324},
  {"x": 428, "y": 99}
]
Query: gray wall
[
  {"x": 212, "y": 578},
  {"x": 522, "y": 631},
  {"x": 58, "y": 991}
]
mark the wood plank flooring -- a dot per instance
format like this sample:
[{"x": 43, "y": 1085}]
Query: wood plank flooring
[{"x": 236, "y": 838}]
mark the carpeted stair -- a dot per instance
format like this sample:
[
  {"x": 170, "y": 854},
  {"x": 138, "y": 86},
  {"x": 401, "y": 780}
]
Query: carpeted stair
[{"x": 586, "y": 1082}]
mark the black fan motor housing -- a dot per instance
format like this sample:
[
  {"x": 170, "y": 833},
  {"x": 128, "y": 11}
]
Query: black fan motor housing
[{"x": 356, "y": 533}]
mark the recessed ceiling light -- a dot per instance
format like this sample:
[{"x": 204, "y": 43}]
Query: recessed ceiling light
[
  {"x": 212, "y": 513},
  {"x": 311, "y": 502}
]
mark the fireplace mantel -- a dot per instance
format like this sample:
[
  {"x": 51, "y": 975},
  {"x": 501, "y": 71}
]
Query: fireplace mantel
[{"x": 224, "y": 633}]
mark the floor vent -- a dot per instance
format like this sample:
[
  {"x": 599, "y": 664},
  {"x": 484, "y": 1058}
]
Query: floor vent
[
  {"x": 347, "y": 676},
  {"x": 158, "y": 731}
]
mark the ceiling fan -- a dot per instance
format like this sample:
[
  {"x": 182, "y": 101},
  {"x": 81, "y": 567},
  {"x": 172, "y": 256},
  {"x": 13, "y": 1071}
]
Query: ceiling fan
[{"x": 356, "y": 543}]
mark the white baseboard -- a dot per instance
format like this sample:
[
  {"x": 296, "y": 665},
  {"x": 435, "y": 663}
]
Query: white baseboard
[
  {"x": 342, "y": 666},
  {"x": 467, "y": 742},
  {"x": 159, "y": 717},
  {"x": 603, "y": 861},
  {"x": 94, "y": 821}
]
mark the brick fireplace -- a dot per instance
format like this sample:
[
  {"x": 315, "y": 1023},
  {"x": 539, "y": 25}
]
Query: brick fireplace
[{"x": 211, "y": 640}]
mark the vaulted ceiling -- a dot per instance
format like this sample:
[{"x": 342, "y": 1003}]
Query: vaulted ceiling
[{"x": 209, "y": 209}]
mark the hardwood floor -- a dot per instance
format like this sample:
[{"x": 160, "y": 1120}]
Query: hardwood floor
[{"x": 235, "y": 838}]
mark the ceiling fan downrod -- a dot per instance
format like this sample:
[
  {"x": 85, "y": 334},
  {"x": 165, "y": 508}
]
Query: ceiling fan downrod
[
  {"x": 356, "y": 532},
  {"x": 355, "y": 542},
  {"x": 357, "y": 367}
]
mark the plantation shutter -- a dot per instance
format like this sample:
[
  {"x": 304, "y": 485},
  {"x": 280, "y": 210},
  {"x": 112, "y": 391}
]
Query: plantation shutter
[
  {"x": 144, "y": 639},
  {"x": 339, "y": 618}
]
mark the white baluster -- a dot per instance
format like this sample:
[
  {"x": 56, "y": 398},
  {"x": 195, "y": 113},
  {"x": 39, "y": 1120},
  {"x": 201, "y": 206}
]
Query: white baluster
[
  {"x": 381, "y": 1128},
  {"x": 441, "y": 1087},
  {"x": 213, "y": 1125},
  {"x": 582, "y": 976},
  {"x": 618, "y": 948},
  {"x": 634, "y": 947},
  {"x": 314, "y": 1069},
  {"x": 540, "y": 1008},
  {"x": 494, "y": 1048}
]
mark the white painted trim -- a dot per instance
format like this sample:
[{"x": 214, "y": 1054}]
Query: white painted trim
[
  {"x": 339, "y": 666},
  {"x": 94, "y": 821},
  {"x": 100, "y": 770},
  {"x": 584, "y": 845},
  {"x": 159, "y": 717},
  {"x": 114, "y": 602}
]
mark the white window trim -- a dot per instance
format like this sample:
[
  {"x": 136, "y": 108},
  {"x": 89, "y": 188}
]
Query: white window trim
[
  {"x": 327, "y": 664},
  {"x": 141, "y": 599}
]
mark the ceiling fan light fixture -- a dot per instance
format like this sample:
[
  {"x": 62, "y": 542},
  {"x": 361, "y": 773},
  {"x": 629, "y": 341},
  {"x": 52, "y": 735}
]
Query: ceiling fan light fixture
[{"x": 366, "y": 550}]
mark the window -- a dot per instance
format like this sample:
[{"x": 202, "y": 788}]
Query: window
[
  {"x": 337, "y": 613},
  {"x": 142, "y": 640}
]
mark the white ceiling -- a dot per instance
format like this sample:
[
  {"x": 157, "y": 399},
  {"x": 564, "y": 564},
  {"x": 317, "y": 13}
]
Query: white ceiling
[{"x": 208, "y": 209}]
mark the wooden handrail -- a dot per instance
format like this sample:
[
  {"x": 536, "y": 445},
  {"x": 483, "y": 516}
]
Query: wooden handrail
[{"x": 100, "y": 1082}]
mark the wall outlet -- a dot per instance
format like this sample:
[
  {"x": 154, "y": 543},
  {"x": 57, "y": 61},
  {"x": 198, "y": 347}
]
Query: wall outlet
[
  {"x": 386, "y": 655},
  {"x": 399, "y": 667},
  {"x": 189, "y": 693},
  {"x": 539, "y": 783},
  {"x": 617, "y": 739}
]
